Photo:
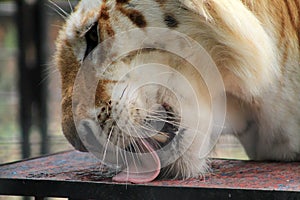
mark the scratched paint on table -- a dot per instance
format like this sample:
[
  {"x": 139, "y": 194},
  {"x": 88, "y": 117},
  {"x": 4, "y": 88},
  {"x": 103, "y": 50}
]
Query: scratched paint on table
[{"x": 77, "y": 166}]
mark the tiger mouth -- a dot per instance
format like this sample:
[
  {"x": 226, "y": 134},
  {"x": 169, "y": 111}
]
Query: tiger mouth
[
  {"x": 157, "y": 129},
  {"x": 140, "y": 159},
  {"x": 163, "y": 136},
  {"x": 157, "y": 142},
  {"x": 145, "y": 168}
]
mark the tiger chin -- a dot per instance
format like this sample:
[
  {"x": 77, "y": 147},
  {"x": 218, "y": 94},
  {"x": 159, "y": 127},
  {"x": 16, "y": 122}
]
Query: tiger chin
[{"x": 255, "y": 47}]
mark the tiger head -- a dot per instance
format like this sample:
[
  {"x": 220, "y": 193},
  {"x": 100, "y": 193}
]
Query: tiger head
[{"x": 149, "y": 108}]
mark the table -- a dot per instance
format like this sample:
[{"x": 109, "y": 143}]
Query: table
[{"x": 77, "y": 175}]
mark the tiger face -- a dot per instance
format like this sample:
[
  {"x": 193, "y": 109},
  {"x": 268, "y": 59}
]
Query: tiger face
[{"x": 132, "y": 120}]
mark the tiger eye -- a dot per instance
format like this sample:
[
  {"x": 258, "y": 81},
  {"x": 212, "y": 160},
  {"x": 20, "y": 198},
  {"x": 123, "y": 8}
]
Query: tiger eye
[{"x": 92, "y": 39}]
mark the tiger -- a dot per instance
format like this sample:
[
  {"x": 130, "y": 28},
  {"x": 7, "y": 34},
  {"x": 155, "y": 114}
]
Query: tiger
[{"x": 254, "y": 45}]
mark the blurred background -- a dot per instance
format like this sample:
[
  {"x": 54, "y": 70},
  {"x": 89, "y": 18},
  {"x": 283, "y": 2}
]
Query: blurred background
[{"x": 29, "y": 82}]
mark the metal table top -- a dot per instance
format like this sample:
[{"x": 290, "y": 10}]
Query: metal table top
[{"x": 79, "y": 175}]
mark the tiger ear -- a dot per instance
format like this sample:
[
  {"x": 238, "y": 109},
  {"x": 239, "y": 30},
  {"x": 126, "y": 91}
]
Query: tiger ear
[{"x": 239, "y": 45}]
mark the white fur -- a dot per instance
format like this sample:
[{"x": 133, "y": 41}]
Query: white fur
[{"x": 263, "y": 105}]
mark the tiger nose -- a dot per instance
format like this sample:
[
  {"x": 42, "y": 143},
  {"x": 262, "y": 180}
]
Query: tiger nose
[
  {"x": 96, "y": 142},
  {"x": 78, "y": 145}
]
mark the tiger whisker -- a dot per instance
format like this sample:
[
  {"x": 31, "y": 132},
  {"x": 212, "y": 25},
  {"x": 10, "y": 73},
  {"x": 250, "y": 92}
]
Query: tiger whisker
[
  {"x": 57, "y": 26},
  {"x": 71, "y": 7},
  {"x": 131, "y": 151},
  {"x": 180, "y": 124},
  {"x": 125, "y": 156},
  {"x": 58, "y": 12},
  {"x": 152, "y": 111},
  {"x": 106, "y": 145},
  {"x": 58, "y": 9},
  {"x": 117, "y": 151}
]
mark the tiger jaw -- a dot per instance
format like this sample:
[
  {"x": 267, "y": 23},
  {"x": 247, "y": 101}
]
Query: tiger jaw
[
  {"x": 132, "y": 111},
  {"x": 158, "y": 127},
  {"x": 120, "y": 137}
]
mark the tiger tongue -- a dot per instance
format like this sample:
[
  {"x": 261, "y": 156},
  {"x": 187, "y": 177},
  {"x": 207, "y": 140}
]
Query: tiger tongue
[{"x": 143, "y": 169}]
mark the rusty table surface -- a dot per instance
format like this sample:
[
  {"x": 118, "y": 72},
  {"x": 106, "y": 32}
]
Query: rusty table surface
[{"x": 79, "y": 175}]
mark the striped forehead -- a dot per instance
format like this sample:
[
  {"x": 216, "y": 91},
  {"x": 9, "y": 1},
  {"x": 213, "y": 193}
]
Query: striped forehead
[
  {"x": 140, "y": 13},
  {"x": 88, "y": 11}
]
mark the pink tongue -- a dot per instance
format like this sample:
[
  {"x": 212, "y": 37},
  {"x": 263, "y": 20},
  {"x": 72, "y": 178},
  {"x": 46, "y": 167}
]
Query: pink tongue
[{"x": 143, "y": 169}]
